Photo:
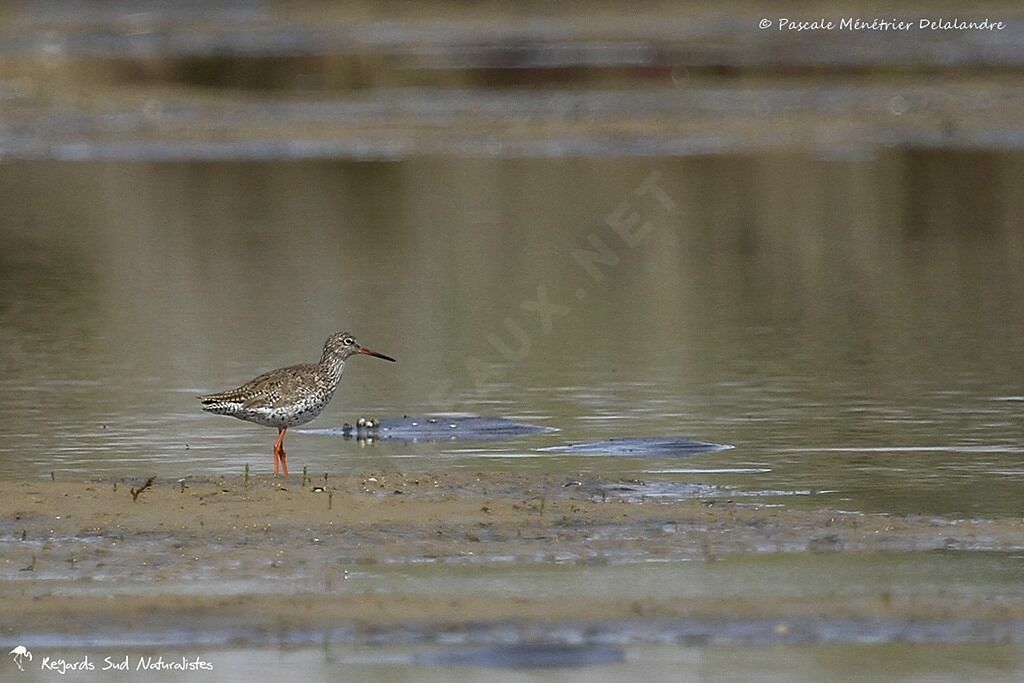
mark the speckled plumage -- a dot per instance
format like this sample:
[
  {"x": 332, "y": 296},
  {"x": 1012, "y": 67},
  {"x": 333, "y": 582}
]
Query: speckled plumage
[{"x": 289, "y": 396}]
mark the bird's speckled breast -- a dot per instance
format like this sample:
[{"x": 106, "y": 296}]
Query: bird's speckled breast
[
  {"x": 293, "y": 414},
  {"x": 303, "y": 407}
]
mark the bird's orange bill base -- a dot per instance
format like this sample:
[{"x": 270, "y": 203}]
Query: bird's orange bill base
[{"x": 370, "y": 352}]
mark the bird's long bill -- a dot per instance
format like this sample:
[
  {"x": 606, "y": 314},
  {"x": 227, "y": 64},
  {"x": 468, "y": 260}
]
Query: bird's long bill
[{"x": 370, "y": 352}]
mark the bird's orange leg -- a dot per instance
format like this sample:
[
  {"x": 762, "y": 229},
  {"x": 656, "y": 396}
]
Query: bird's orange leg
[{"x": 279, "y": 451}]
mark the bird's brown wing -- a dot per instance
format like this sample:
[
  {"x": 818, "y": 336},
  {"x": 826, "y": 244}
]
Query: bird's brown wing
[
  {"x": 296, "y": 385},
  {"x": 269, "y": 390}
]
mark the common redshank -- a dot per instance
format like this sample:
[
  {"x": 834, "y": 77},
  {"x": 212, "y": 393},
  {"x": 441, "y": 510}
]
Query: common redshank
[{"x": 290, "y": 396}]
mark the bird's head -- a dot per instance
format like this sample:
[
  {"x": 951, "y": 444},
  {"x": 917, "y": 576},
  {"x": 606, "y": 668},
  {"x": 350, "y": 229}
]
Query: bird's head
[{"x": 341, "y": 345}]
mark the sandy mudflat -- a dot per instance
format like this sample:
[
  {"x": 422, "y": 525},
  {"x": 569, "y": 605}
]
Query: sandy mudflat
[{"x": 83, "y": 557}]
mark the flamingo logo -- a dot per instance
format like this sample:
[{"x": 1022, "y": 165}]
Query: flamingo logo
[{"x": 20, "y": 654}]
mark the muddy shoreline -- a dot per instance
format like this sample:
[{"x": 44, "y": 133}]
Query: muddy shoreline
[{"x": 263, "y": 560}]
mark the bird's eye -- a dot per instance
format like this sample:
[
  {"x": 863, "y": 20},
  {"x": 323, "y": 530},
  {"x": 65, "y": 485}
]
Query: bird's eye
[{"x": 349, "y": 341}]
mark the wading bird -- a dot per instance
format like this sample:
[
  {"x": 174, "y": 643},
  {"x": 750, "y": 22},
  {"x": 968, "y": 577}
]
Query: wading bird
[{"x": 290, "y": 396}]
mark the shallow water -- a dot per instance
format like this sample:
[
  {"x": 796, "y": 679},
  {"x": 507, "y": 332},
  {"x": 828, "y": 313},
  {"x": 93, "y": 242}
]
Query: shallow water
[
  {"x": 851, "y": 327},
  {"x": 764, "y": 576},
  {"x": 782, "y": 664}
]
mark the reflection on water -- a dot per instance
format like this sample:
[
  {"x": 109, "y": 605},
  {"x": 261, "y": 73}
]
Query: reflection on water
[{"x": 852, "y": 327}]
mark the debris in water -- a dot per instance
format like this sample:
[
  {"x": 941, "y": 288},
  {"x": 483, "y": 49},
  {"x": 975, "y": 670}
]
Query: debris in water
[
  {"x": 431, "y": 429},
  {"x": 137, "y": 491}
]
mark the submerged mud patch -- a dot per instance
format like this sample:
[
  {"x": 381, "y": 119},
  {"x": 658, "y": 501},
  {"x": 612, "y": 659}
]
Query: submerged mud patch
[
  {"x": 519, "y": 633},
  {"x": 525, "y": 656},
  {"x": 642, "y": 445}
]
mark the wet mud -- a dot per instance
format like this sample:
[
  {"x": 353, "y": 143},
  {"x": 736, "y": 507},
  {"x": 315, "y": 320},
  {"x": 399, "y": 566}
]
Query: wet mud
[{"x": 259, "y": 560}]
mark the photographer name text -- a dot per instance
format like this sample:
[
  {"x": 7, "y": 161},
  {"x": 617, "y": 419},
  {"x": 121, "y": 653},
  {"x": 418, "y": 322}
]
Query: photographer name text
[{"x": 879, "y": 24}]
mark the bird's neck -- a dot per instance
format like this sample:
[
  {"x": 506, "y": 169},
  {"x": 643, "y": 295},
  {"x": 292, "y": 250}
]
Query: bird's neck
[{"x": 330, "y": 369}]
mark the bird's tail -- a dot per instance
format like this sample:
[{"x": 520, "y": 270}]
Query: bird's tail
[{"x": 219, "y": 404}]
